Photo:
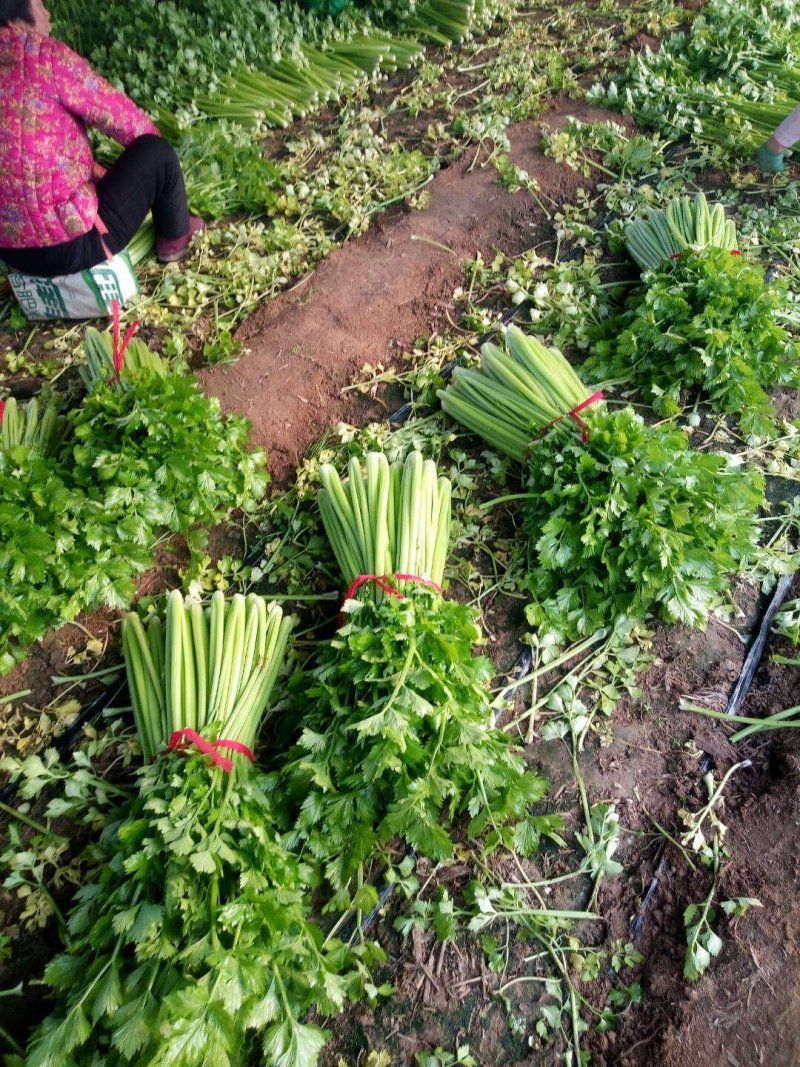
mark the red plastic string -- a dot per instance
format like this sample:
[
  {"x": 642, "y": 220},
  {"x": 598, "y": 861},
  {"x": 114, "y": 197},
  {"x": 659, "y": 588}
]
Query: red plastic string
[
  {"x": 735, "y": 252},
  {"x": 187, "y": 738},
  {"x": 382, "y": 581},
  {"x": 2, "y": 411},
  {"x": 120, "y": 349},
  {"x": 595, "y": 398}
]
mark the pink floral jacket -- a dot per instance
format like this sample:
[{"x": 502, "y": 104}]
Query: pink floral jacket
[{"x": 48, "y": 95}]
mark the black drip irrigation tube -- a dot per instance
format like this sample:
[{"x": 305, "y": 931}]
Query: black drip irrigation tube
[{"x": 751, "y": 664}]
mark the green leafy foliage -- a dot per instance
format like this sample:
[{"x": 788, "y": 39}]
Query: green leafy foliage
[
  {"x": 77, "y": 527},
  {"x": 397, "y": 741},
  {"x": 164, "y": 452},
  {"x": 704, "y": 325},
  {"x": 632, "y": 522},
  {"x": 728, "y": 80},
  {"x": 787, "y": 621},
  {"x": 61, "y": 552},
  {"x": 192, "y": 943}
]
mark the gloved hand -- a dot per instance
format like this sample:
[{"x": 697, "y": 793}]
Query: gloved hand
[{"x": 770, "y": 162}]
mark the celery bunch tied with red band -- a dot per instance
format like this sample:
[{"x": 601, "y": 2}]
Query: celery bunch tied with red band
[
  {"x": 192, "y": 943},
  {"x": 519, "y": 390},
  {"x": 624, "y": 519},
  {"x": 387, "y": 520},
  {"x": 205, "y": 668},
  {"x": 395, "y": 736}
]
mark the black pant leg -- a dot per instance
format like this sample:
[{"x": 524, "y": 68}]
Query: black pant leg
[
  {"x": 71, "y": 257},
  {"x": 147, "y": 176}
]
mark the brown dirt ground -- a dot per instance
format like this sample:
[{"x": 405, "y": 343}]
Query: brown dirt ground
[{"x": 370, "y": 300}]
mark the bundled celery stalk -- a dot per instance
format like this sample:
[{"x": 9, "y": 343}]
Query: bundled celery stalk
[
  {"x": 29, "y": 426},
  {"x": 624, "y": 519},
  {"x": 292, "y": 88},
  {"x": 448, "y": 21},
  {"x": 387, "y": 520},
  {"x": 684, "y": 223},
  {"x": 100, "y": 367},
  {"x": 211, "y": 667},
  {"x": 193, "y": 943},
  {"x": 396, "y": 729},
  {"x": 518, "y": 391}
]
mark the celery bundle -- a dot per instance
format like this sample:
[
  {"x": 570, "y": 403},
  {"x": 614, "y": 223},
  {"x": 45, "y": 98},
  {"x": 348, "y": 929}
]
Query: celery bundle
[
  {"x": 100, "y": 366},
  {"x": 388, "y": 519},
  {"x": 205, "y": 668},
  {"x": 448, "y": 21},
  {"x": 192, "y": 943},
  {"x": 31, "y": 427},
  {"x": 624, "y": 519},
  {"x": 291, "y": 88},
  {"x": 395, "y": 734},
  {"x": 517, "y": 392},
  {"x": 683, "y": 224}
]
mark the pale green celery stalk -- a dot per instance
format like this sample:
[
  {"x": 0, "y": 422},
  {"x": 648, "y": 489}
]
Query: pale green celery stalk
[
  {"x": 232, "y": 669},
  {"x": 250, "y": 636},
  {"x": 484, "y": 392},
  {"x": 217, "y": 612},
  {"x": 245, "y": 718},
  {"x": 548, "y": 368},
  {"x": 491, "y": 405},
  {"x": 199, "y": 635},
  {"x": 143, "y": 684},
  {"x": 430, "y": 500},
  {"x": 338, "y": 521},
  {"x": 263, "y": 629},
  {"x": 358, "y": 495},
  {"x": 173, "y": 653},
  {"x": 155, "y": 641},
  {"x": 379, "y": 484},
  {"x": 189, "y": 685},
  {"x": 443, "y": 521},
  {"x": 483, "y": 422},
  {"x": 505, "y": 370},
  {"x": 406, "y": 543},
  {"x": 340, "y": 535},
  {"x": 234, "y": 614},
  {"x": 392, "y": 511}
]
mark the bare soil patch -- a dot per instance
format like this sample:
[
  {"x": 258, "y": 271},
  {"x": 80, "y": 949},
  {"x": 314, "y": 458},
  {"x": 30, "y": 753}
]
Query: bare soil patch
[{"x": 369, "y": 301}]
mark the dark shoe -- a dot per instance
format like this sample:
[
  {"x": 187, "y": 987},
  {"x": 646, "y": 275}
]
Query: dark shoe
[{"x": 170, "y": 251}]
